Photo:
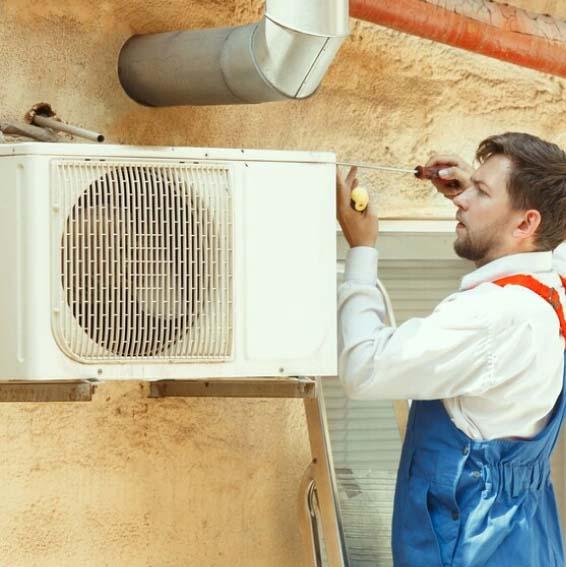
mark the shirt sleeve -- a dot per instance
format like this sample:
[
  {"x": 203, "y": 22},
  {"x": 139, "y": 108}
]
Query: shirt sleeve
[{"x": 449, "y": 353}]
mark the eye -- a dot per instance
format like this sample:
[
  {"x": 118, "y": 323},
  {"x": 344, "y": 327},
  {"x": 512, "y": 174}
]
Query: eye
[{"x": 480, "y": 190}]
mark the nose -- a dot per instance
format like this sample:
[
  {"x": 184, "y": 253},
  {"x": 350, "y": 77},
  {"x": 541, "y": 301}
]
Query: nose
[{"x": 461, "y": 200}]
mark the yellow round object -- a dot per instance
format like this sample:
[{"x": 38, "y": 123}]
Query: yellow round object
[{"x": 360, "y": 198}]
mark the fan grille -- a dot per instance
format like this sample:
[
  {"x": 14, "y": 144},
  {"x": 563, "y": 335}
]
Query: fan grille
[{"x": 143, "y": 261}]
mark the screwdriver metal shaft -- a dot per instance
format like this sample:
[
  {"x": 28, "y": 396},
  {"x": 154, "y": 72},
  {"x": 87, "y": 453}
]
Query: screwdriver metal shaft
[{"x": 377, "y": 167}]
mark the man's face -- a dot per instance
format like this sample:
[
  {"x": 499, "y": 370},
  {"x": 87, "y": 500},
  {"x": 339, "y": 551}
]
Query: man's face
[{"x": 484, "y": 213}]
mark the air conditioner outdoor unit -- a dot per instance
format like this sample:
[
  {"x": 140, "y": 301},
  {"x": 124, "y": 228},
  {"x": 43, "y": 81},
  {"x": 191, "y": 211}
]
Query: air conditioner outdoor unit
[{"x": 151, "y": 263}]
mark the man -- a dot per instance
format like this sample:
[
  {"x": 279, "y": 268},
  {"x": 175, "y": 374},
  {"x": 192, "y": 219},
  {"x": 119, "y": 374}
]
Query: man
[{"x": 485, "y": 369}]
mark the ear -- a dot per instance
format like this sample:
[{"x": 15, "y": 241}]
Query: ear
[{"x": 529, "y": 222}]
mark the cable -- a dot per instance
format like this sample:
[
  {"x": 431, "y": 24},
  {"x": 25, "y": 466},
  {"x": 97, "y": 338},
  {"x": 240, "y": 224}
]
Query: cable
[{"x": 388, "y": 305}]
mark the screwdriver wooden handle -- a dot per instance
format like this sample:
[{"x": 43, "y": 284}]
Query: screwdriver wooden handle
[{"x": 422, "y": 172}]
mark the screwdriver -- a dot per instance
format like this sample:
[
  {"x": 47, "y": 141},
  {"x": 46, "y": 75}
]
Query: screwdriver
[{"x": 360, "y": 198}]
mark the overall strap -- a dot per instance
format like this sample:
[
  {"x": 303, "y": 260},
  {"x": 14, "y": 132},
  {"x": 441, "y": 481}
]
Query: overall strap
[{"x": 549, "y": 294}]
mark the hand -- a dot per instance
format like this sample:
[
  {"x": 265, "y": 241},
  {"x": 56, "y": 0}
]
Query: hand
[
  {"x": 456, "y": 169},
  {"x": 359, "y": 228}
]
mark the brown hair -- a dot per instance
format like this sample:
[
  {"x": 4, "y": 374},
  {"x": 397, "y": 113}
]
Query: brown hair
[{"x": 537, "y": 181}]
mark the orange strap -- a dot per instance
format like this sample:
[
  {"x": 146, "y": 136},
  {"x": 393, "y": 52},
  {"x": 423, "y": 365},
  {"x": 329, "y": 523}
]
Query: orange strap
[{"x": 549, "y": 294}]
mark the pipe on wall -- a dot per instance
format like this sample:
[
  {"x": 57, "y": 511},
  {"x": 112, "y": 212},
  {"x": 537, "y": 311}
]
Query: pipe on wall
[
  {"x": 284, "y": 56},
  {"x": 507, "y": 17},
  {"x": 429, "y": 21}
]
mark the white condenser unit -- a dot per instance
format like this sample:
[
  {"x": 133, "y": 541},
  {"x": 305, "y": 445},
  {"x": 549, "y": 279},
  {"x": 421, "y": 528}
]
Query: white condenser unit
[{"x": 165, "y": 263}]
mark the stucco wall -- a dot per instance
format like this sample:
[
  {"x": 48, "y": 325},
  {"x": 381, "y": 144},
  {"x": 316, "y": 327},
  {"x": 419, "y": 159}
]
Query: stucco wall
[
  {"x": 555, "y": 7},
  {"x": 129, "y": 481}
]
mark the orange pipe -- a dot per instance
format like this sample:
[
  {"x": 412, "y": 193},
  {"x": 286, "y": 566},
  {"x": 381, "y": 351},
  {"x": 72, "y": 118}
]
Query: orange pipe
[{"x": 431, "y": 22}]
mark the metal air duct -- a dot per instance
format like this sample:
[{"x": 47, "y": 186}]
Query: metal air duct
[{"x": 284, "y": 56}]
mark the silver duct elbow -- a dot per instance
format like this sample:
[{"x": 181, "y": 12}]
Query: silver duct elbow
[{"x": 284, "y": 56}]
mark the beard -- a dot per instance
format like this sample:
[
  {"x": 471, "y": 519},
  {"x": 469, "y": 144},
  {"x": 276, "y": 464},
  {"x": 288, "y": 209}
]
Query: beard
[{"x": 477, "y": 247}]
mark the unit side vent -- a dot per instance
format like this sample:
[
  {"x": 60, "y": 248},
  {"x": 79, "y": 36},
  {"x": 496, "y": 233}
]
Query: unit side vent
[{"x": 142, "y": 261}]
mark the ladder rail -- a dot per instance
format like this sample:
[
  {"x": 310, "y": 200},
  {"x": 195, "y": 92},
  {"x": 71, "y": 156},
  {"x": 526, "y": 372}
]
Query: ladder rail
[{"x": 326, "y": 487}]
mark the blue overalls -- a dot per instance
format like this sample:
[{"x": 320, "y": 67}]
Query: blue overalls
[{"x": 466, "y": 503}]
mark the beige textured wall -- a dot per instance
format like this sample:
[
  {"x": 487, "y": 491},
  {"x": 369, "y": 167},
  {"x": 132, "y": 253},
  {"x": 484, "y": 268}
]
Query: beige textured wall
[
  {"x": 556, "y": 8},
  {"x": 129, "y": 481}
]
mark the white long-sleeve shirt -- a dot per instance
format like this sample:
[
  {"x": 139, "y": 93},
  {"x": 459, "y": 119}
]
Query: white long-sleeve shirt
[{"x": 493, "y": 354}]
